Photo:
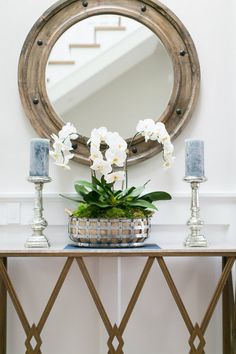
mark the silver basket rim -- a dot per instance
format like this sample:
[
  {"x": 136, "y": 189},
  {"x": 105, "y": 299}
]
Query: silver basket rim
[{"x": 109, "y": 219}]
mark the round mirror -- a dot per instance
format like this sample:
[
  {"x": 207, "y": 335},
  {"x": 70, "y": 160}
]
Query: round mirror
[
  {"x": 108, "y": 63},
  {"x": 109, "y": 70}
]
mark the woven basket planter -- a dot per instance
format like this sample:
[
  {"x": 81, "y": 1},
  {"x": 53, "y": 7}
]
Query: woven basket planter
[{"x": 109, "y": 232}]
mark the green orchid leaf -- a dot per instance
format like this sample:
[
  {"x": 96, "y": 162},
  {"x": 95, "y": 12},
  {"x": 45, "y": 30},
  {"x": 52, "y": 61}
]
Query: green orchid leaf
[
  {"x": 100, "y": 205},
  {"x": 96, "y": 181},
  {"x": 96, "y": 188},
  {"x": 104, "y": 182},
  {"x": 92, "y": 197},
  {"x": 74, "y": 199},
  {"x": 154, "y": 196},
  {"x": 117, "y": 193},
  {"x": 102, "y": 187},
  {"x": 81, "y": 190},
  {"x": 137, "y": 191},
  {"x": 84, "y": 183},
  {"x": 147, "y": 182},
  {"x": 109, "y": 191},
  {"x": 127, "y": 191},
  {"x": 101, "y": 195},
  {"x": 143, "y": 204}
]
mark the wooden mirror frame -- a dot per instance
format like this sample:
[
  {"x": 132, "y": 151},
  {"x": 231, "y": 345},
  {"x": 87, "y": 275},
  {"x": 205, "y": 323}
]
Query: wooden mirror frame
[{"x": 61, "y": 16}]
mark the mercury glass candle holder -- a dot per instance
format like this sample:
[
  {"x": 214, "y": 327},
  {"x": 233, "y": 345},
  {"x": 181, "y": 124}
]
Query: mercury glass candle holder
[
  {"x": 38, "y": 239},
  {"x": 195, "y": 237}
]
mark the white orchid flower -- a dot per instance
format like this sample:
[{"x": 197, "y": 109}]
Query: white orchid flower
[
  {"x": 55, "y": 154},
  {"x": 146, "y": 125},
  {"x": 115, "y": 177},
  {"x": 115, "y": 141},
  {"x": 98, "y": 135},
  {"x": 168, "y": 161},
  {"x": 160, "y": 127},
  {"x": 146, "y": 128},
  {"x": 61, "y": 144},
  {"x": 116, "y": 157},
  {"x": 163, "y": 138},
  {"x": 168, "y": 147},
  {"x": 152, "y": 131},
  {"x": 68, "y": 131},
  {"x": 102, "y": 166},
  {"x": 158, "y": 130},
  {"x": 58, "y": 143},
  {"x": 55, "y": 137},
  {"x": 67, "y": 144},
  {"x": 95, "y": 153},
  {"x": 102, "y": 132},
  {"x": 68, "y": 157},
  {"x": 62, "y": 158},
  {"x": 167, "y": 164},
  {"x": 95, "y": 141}
]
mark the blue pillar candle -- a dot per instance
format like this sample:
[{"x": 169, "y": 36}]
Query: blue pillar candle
[
  {"x": 39, "y": 157},
  {"x": 194, "y": 158}
]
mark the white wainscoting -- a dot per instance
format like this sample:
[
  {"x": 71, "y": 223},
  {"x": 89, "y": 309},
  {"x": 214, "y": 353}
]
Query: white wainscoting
[
  {"x": 156, "y": 321},
  {"x": 218, "y": 212},
  {"x": 17, "y": 209}
]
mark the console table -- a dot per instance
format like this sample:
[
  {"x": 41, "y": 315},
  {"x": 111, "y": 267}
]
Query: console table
[{"x": 115, "y": 331}]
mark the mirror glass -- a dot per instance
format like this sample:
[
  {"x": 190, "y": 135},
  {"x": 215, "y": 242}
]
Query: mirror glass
[{"x": 109, "y": 70}]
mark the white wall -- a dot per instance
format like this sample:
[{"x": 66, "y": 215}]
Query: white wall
[
  {"x": 213, "y": 39},
  {"x": 211, "y": 25}
]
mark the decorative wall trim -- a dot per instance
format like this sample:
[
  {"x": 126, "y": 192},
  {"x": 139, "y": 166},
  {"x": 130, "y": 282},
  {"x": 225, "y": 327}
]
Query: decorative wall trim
[
  {"x": 217, "y": 208},
  {"x": 179, "y": 195}
]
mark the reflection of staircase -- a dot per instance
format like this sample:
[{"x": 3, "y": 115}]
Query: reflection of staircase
[
  {"x": 107, "y": 28},
  {"x": 84, "y": 42},
  {"x": 104, "y": 68},
  {"x": 84, "y": 45},
  {"x": 61, "y": 62},
  {"x": 94, "y": 45}
]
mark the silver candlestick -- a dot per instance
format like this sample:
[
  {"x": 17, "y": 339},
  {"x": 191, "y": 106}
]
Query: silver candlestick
[
  {"x": 38, "y": 239},
  {"x": 195, "y": 238}
]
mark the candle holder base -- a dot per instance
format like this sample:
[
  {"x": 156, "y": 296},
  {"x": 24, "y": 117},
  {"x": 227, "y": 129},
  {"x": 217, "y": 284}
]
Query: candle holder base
[
  {"x": 37, "y": 241},
  {"x": 39, "y": 179},
  {"x": 194, "y": 179},
  {"x": 195, "y": 238},
  {"x": 195, "y": 241}
]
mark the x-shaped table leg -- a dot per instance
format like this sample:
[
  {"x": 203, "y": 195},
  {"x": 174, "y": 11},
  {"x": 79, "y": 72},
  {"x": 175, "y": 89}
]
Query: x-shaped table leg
[
  {"x": 33, "y": 331},
  {"x": 197, "y": 331},
  {"x": 116, "y": 332}
]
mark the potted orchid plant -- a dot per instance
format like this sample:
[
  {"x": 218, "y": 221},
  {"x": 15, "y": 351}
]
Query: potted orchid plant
[{"x": 109, "y": 212}]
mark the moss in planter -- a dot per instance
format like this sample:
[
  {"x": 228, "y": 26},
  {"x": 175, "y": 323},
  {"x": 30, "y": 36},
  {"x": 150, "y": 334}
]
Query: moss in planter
[{"x": 92, "y": 211}]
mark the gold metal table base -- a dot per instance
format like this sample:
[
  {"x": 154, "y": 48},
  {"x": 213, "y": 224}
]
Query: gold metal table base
[
  {"x": 116, "y": 331},
  {"x": 3, "y": 312}
]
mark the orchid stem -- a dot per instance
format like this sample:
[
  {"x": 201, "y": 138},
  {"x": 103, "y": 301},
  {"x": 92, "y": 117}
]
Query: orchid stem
[
  {"x": 132, "y": 140},
  {"x": 91, "y": 173},
  {"x": 123, "y": 185},
  {"x": 126, "y": 173},
  {"x": 126, "y": 161}
]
